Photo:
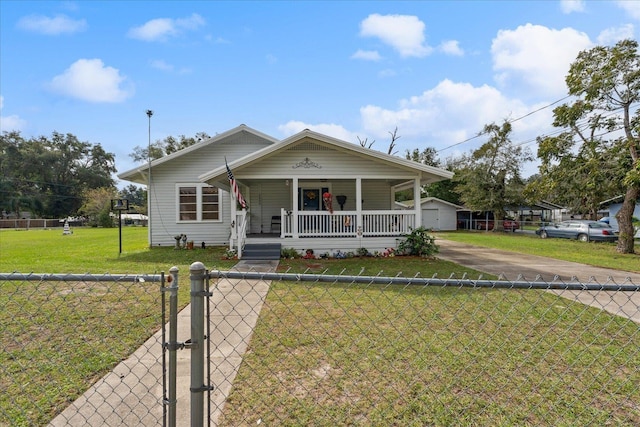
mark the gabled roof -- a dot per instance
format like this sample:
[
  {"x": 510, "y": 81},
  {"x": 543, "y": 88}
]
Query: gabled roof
[
  {"x": 617, "y": 199},
  {"x": 409, "y": 203},
  {"x": 213, "y": 140},
  {"x": 330, "y": 141}
]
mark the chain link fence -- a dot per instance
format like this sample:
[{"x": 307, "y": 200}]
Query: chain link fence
[
  {"x": 80, "y": 350},
  {"x": 313, "y": 349}
]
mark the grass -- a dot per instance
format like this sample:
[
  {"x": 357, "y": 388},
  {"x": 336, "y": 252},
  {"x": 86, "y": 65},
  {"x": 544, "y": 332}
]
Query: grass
[
  {"x": 600, "y": 254},
  {"x": 322, "y": 354},
  {"x": 347, "y": 354},
  {"x": 96, "y": 250}
]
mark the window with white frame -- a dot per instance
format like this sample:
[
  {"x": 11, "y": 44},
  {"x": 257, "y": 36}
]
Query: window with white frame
[{"x": 198, "y": 202}]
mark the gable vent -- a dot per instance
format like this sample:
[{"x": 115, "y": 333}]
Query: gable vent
[{"x": 309, "y": 146}]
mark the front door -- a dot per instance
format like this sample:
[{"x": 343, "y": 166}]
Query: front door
[{"x": 311, "y": 199}]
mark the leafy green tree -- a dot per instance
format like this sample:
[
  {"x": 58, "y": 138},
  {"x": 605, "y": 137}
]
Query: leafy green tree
[
  {"x": 164, "y": 147},
  {"x": 427, "y": 156},
  {"x": 605, "y": 82},
  {"x": 97, "y": 206},
  {"x": 48, "y": 176},
  {"x": 444, "y": 190},
  {"x": 490, "y": 178},
  {"x": 579, "y": 178},
  {"x": 137, "y": 197},
  {"x": 16, "y": 193}
]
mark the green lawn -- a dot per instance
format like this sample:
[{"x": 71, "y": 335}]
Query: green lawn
[
  {"x": 345, "y": 354},
  {"x": 322, "y": 354},
  {"x": 96, "y": 251}
]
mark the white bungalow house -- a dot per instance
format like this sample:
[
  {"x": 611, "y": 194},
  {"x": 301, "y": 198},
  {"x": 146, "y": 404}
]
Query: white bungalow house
[{"x": 308, "y": 191}]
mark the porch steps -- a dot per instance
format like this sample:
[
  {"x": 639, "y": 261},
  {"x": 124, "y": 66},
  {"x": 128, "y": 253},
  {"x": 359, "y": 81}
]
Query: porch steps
[{"x": 261, "y": 251}]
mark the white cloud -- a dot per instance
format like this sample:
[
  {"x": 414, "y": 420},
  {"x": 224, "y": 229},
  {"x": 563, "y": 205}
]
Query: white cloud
[
  {"x": 449, "y": 114},
  {"x": 451, "y": 47},
  {"x": 631, "y": 7},
  {"x": 10, "y": 123},
  {"x": 536, "y": 58},
  {"x": 164, "y": 28},
  {"x": 272, "y": 59},
  {"x": 59, "y": 24},
  {"x": 611, "y": 36},
  {"x": 216, "y": 40},
  {"x": 570, "y": 6},
  {"x": 405, "y": 33},
  {"x": 367, "y": 55},
  {"x": 161, "y": 65},
  {"x": 336, "y": 131},
  {"x": 387, "y": 72},
  {"x": 90, "y": 80}
]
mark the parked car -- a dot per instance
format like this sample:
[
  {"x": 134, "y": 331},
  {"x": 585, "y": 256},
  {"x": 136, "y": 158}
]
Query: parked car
[
  {"x": 508, "y": 224},
  {"x": 580, "y": 230}
]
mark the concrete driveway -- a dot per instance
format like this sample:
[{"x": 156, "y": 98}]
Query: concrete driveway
[{"x": 514, "y": 266}]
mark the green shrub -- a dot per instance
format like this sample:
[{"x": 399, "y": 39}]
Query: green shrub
[
  {"x": 363, "y": 252},
  {"x": 289, "y": 253},
  {"x": 419, "y": 242}
]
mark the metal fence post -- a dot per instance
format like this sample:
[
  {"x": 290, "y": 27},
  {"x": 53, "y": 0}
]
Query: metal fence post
[
  {"x": 173, "y": 337},
  {"x": 197, "y": 272}
]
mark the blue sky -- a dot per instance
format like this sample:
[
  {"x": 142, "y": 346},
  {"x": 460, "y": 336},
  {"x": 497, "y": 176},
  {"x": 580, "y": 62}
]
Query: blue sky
[{"x": 438, "y": 71}]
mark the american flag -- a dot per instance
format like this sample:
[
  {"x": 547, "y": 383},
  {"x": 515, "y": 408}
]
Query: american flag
[{"x": 234, "y": 187}]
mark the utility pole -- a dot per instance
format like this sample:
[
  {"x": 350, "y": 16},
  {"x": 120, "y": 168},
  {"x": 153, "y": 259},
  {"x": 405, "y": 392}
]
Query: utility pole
[{"x": 149, "y": 114}]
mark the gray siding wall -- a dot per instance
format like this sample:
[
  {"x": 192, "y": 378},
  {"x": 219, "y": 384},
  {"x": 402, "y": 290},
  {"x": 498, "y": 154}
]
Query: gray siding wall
[
  {"x": 185, "y": 170},
  {"x": 267, "y": 198},
  {"x": 323, "y": 162}
]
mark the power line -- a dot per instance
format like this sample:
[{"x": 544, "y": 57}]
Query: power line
[
  {"x": 583, "y": 124},
  {"x": 479, "y": 134}
]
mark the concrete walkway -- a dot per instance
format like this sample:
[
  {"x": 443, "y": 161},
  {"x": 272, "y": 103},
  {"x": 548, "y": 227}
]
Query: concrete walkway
[
  {"x": 511, "y": 266},
  {"x": 131, "y": 394}
]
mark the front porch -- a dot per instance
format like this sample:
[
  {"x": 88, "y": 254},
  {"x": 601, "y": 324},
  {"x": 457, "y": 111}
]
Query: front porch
[
  {"x": 356, "y": 224},
  {"x": 322, "y": 231}
]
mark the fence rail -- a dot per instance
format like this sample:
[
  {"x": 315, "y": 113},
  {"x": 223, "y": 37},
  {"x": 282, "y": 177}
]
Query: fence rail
[
  {"x": 19, "y": 223},
  {"x": 313, "y": 349}
]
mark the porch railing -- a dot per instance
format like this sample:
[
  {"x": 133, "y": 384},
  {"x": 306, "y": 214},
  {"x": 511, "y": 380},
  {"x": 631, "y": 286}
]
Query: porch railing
[
  {"x": 238, "y": 232},
  {"x": 347, "y": 223}
]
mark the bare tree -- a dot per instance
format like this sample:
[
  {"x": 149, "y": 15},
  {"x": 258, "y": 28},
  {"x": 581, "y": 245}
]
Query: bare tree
[
  {"x": 392, "y": 144},
  {"x": 364, "y": 143}
]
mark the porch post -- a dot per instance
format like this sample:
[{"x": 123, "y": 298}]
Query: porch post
[
  {"x": 417, "y": 206},
  {"x": 359, "y": 204},
  {"x": 294, "y": 210},
  {"x": 234, "y": 227}
]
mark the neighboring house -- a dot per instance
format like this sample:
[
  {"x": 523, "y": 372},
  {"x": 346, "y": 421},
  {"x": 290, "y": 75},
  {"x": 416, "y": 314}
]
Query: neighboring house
[
  {"x": 283, "y": 182},
  {"x": 436, "y": 214},
  {"x": 134, "y": 219},
  {"x": 611, "y": 207}
]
